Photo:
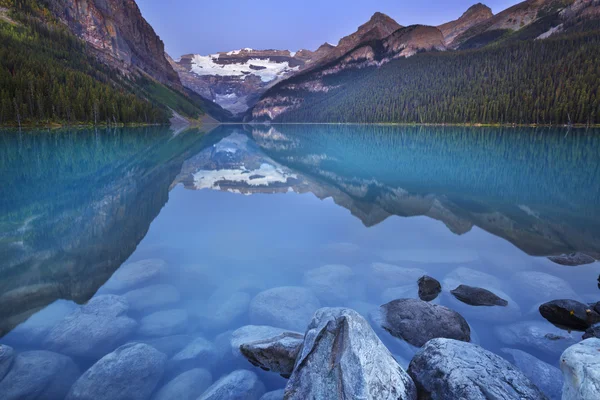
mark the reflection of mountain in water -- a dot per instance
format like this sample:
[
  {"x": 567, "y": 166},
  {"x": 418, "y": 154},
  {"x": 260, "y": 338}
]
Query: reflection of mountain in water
[
  {"x": 535, "y": 188},
  {"x": 95, "y": 197}
]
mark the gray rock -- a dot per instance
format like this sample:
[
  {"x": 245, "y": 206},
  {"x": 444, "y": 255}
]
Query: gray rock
[
  {"x": 471, "y": 277},
  {"x": 136, "y": 274},
  {"x": 200, "y": 353},
  {"x": 152, "y": 297},
  {"x": 94, "y": 329},
  {"x": 39, "y": 375},
  {"x": 274, "y": 395},
  {"x": 580, "y": 365},
  {"x": 277, "y": 354},
  {"x": 386, "y": 275},
  {"x": 572, "y": 259},
  {"x": 131, "y": 372},
  {"x": 475, "y": 296},
  {"x": 429, "y": 288},
  {"x": 546, "y": 377},
  {"x": 570, "y": 314},
  {"x": 592, "y": 332},
  {"x": 169, "y": 345},
  {"x": 187, "y": 386},
  {"x": 333, "y": 283},
  {"x": 164, "y": 323},
  {"x": 223, "y": 308},
  {"x": 238, "y": 385},
  {"x": 446, "y": 369},
  {"x": 537, "y": 335},
  {"x": 540, "y": 287},
  {"x": 285, "y": 307},
  {"x": 7, "y": 355},
  {"x": 252, "y": 333},
  {"x": 342, "y": 355},
  {"x": 417, "y": 321},
  {"x": 510, "y": 313}
]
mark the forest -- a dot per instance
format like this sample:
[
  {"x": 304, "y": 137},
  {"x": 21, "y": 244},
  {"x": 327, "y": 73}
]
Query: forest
[{"x": 552, "y": 81}]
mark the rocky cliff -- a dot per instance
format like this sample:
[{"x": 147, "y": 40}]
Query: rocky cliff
[
  {"x": 473, "y": 16},
  {"x": 119, "y": 34}
]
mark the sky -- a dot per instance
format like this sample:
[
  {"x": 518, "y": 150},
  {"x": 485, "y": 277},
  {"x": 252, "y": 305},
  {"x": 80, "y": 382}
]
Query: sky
[{"x": 206, "y": 27}]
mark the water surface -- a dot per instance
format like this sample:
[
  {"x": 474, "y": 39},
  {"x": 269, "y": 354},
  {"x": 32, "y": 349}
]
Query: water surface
[{"x": 243, "y": 209}]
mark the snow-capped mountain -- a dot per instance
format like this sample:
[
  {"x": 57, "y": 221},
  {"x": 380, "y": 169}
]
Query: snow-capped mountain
[{"x": 236, "y": 79}]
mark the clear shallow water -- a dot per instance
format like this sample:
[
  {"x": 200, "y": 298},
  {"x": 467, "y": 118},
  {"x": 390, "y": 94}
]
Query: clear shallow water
[{"x": 241, "y": 210}]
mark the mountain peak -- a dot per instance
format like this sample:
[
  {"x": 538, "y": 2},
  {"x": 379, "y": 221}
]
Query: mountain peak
[
  {"x": 474, "y": 15},
  {"x": 478, "y": 8}
]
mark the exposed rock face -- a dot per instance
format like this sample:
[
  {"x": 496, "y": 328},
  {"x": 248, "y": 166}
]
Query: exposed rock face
[
  {"x": 572, "y": 259},
  {"x": 238, "y": 385},
  {"x": 342, "y": 357},
  {"x": 417, "y": 321},
  {"x": 94, "y": 329},
  {"x": 569, "y": 313},
  {"x": 39, "y": 375},
  {"x": 276, "y": 354},
  {"x": 429, "y": 288},
  {"x": 119, "y": 34},
  {"x": 580, "y": 365},
  {"x": 545, "y": 376},
  {"x": 473, "y": 16},
  {"x": 446, "y": 369},
  {"x": 129, "y": 373},
  {"x": 477, "y": 296}
]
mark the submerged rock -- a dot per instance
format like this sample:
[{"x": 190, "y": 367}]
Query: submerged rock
[
  {"x": 223, "y": 309},
  {"x": 537, "y": 335},
  {"x": 152, "y": 297},
  {"x": 343, "y": 358},
  {"x": 129, "y": 373},
  {"x": 39, "y": 375},
  {"x": 94, "y": 329},
  {"x": 471, "y": 277},
  {"x": 580, "y": 365},
  {"x": 136, "y": 274},
  {"x": 164, "y": 323},
  {"x": 540, "y": 287},
  {"x": 417, "y": 321},
  {"x": 169, "y": 345},
  {"x": 274, "y": 395},
  {"x": 446, "y": 369},
  {"x": 199, "y": 353},
  {"x": 284, "y": 307},
  {"x": 509, "y": 313},
  {"x": 429, "y": 288},
  {"x": 570, "y": 314},
  {"x": 475, "y": 296},
  {"x": 592, "y": 332},
  {"x": 7, "y": 355},
  {"x": 546, "y": 377},
  {"x": 333, "y": 283},
  {"x": 387, "y": 275},
  {"x": 187, "y": 386},
  {"x": 238, "y": 385},
  {"x": 277, "y": 354},
  {"x": 572, "y": 259}
]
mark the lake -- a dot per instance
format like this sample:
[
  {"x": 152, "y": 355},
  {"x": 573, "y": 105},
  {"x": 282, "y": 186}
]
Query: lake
[{"x": 207, "y": 231}]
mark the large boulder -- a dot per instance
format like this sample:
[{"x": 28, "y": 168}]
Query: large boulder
[
  {"x": 386, "y": 275},
  {"x": 199, "y": 353},
  {"x": 39, "y": 375},
  {"x": 580, "y": 365},
  {"x": 545, "y": 376},
  {"x": 475, "y": 296},
  {"x": 136, "y": 274},
  {"x": 277, "y": 354},
  {"x": 131, "y": 372},
  {"x": 152, "y": 297},
  {"x": 333, "y": 283},
  {"x": 164, "y": 323},
  {"x": 94, "y": 329},
  {"x": 572, "y": 259},
  {"x": 417, "y": 321},
  {"x": 570, "y": 314},
  {"x": 187, "y": 386},
  {"x": 238, "y": 385},
  {"x": 537, "y": 335},
  {"x": 7, "y": 355},
  {"x": 284, "y": 307},
  {"x": 429, "y": 288},
  {"x": 343, "y": 358},
  {"x": 446, "y": 369}
]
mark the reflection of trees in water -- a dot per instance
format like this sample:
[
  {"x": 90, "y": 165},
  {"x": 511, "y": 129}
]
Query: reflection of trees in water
[
  {"x": 74, "y": 207},
  {"x": 538, "y": 188}
]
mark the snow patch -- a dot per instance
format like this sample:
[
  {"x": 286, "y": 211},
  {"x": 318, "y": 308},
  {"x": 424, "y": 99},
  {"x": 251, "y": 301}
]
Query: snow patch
[
  {"x": 206, "y": 65},
  {"x": 264, "y": 176},
  {"x": 293, "y": 53}
]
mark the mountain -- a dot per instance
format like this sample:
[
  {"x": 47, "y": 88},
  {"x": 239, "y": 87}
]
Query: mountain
[
  {"x": 236, "y": 79},
  {"x": 533, "y": 65},
  {"x": 473, "y": 16}
]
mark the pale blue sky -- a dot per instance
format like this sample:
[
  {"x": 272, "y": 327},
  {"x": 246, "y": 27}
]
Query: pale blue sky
[{"x": 201, "y": 26}]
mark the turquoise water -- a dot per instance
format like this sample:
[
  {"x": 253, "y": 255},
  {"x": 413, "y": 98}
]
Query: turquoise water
[{"x": 238, "y": 210}]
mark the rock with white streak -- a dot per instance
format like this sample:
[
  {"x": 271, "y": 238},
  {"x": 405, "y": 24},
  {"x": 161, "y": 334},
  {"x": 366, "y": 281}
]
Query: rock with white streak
[{"x": 580, "y": 365}]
